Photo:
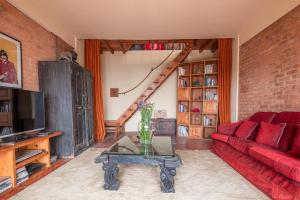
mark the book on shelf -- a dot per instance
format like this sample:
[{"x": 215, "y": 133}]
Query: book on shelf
[
  {"x": 210, "y": 81},
  {"x": 22, "y": 175},
  {"x": 182, "y": 83},
  {"x": 182, "y": 108},
  {"x": 5, "y": 183},
  {"x": 183, "y": 131},
  {"x": 6, "y": 131},
  {"x": 209, "y": 69},
  {"x": 26, "y": 153},
  {"x": 209, "y": 95},
  {"x": 5, "y": 107},
  {"x": 207, "y": 121},
  {"x": 181, "y": 71}
]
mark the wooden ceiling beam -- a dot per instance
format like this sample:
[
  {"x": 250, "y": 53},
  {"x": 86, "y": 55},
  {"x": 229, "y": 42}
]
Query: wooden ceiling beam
[
  {"x": 214, "y": 46},
  {"x": 108, "y": 46},
  {"x": 204, "y": 45},
  {"x": 122, "y": 47}
]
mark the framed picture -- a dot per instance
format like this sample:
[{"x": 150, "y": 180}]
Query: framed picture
[{"x": 10, "y": 62}]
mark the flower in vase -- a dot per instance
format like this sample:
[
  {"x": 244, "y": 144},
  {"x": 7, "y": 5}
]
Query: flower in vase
[{"x": 146, "y": 110}]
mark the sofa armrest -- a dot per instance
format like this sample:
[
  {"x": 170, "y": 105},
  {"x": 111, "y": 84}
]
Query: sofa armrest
[{"x": 220, "y": 137}]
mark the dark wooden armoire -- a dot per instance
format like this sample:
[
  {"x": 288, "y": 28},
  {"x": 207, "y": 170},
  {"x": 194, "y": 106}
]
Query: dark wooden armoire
[{"x": 68, "y": 104}]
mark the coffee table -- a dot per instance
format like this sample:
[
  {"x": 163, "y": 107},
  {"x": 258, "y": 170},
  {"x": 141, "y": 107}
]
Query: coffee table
[{"x": 128, "y": 150}]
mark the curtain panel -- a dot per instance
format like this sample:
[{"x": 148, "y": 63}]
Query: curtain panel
[
  {"x": 92, "y": 62},
  {"x": 225, "y": 65}
]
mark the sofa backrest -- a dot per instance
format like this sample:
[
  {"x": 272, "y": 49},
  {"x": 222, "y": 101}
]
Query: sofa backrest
[
  {"x": 291, "y": 119},
  {"x": 263, "y": 117},
  {"x": 287, "y": 117}
]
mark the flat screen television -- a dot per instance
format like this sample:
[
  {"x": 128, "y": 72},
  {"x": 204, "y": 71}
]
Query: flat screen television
[{"x": 28, "y": 111}]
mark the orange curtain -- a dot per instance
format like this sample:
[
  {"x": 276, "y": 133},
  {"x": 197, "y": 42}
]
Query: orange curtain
[
  {"x": 92, "y": 62},
  {"x": 225, "y": 62}
]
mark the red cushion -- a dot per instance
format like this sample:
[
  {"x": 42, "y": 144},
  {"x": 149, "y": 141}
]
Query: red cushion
[
  {"x": 240, "y": 144},
  {"x": 286, "y": 138},
  {"x": 270, "y": 134},
  {"x": 229, "y": 128},
  {"x": 279, "y": 161},
  {"x": 246, "y": 129},
  {"x": 292, "y": 119},
  {"x": 296, "y": 143},
  {"x": 263, "y": 117},
  {"x": 220, "y": 137}
]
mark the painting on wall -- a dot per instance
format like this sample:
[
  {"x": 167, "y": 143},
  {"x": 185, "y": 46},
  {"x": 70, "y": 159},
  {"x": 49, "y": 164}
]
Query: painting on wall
[{"x": 10, "y": 62}]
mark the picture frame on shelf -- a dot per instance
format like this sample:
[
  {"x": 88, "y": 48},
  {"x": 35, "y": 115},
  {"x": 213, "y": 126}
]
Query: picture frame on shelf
[{"x": 10, "y": 62}]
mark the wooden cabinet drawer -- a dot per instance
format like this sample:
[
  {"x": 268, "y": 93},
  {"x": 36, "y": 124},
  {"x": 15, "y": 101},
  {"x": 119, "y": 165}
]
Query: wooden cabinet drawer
[
  {"x": 5, "y": 119},
  {"x": 183, "y": 118},
  {"x": 210, "y": 107},
  {"x": 196, "y": 132},
  {"x": 183, "y": 94},
  {"x": 5, "y": 94}
]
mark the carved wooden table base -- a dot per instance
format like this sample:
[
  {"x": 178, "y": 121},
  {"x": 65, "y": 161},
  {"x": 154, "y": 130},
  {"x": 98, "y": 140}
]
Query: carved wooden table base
[{"x": 168, "y": 165}]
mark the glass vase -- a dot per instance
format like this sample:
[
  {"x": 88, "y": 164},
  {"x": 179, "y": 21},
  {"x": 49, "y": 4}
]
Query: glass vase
[{"x": 145, "y": 132}]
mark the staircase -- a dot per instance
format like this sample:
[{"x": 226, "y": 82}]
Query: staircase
[{"x": 169, "y": 69}]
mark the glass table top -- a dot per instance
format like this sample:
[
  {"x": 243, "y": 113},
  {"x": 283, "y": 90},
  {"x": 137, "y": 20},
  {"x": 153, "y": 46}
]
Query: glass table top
[{"x": 129, "y": 145}]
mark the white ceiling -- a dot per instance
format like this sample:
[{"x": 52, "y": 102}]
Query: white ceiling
[{"x": 154, "y": 19}]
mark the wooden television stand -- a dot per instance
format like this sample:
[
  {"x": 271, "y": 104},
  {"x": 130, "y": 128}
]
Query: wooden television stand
[{"x": 8, "y": 163}]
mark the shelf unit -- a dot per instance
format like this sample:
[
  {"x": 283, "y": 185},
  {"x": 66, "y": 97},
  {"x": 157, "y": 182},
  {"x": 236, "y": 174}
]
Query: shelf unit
[
  {"x": 197, "y": 99},
  {"x": 8, "y": 156},
  {"x": 5, "y": 111}
]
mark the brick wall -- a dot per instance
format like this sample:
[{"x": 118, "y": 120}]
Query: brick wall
[
  {"x": 270, "y": 68},
  {"x": 37, "y": 43}
]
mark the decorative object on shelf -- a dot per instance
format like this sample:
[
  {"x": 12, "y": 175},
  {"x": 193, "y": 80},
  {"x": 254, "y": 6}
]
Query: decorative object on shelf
[
  {"x": 181, "y": 71},
  {"x": 196, "y": 69},
  {"x": 195, "y": 110},
  {"x": 10, "y": 62},
  {"x": 209, "y": 68},
  {"x": 69, "y": 55},
  {"x": 144, "y": 126},
  {"x": 160, "y": 114},
  {"x": 196, "y": 83}
]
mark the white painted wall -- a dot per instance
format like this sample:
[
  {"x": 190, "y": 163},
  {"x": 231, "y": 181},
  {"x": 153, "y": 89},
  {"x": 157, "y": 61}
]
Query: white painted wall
[
  {"x": 234, "y": 80},
  {"x": 79, "y": 48},
  {"x": 124, "y": 71}
]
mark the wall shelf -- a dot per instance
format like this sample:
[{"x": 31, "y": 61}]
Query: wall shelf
[{"x": 200, "y": 97}]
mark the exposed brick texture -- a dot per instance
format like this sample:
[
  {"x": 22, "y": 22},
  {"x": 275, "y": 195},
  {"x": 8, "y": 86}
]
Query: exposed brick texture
[
  {"x": 37, "y": 43},
  {"x": 270, "y": 68}
]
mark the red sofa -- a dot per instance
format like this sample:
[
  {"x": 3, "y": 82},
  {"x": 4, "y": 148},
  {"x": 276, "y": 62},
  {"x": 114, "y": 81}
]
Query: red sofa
[{"x": 274, "y": 171}]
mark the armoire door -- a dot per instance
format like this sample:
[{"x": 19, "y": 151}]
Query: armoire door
[
  {"x": 88, "y": 102},
  {"x": 78, "y": 108}
]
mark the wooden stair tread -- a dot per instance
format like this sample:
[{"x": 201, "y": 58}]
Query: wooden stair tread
[{"x": 168, "y": 70}]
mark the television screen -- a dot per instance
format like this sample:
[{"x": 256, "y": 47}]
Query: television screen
[{"x": 28, "y": 110}]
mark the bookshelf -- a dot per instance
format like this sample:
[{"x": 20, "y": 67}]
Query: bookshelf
[
  {"x": 197, "y": 99},
  {"x": 5, "y": 111}
]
